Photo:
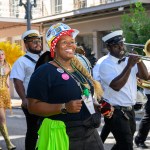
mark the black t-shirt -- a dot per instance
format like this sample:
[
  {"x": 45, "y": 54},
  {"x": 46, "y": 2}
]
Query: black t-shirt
[{"x": 48, "y": 84}]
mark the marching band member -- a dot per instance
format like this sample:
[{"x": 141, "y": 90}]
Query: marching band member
[
  {"x": 21, "y": 72},
  {"x": 118, "y": 77}
]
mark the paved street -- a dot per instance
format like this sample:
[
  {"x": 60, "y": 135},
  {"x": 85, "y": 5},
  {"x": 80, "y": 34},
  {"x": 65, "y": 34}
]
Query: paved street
[
  {"x": 110, "y": 140},
  {"x": 17, "y": 128}
]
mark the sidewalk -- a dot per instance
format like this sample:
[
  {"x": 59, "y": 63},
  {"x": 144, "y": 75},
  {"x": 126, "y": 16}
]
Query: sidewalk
[{"x": 16, "y": 103}]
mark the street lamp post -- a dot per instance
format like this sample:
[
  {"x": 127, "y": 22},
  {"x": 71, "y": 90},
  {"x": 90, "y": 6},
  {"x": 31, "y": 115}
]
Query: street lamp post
[{"x": 28, "y": 11}]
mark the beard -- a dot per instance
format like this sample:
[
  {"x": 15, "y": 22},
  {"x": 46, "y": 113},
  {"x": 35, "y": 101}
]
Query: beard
[{"x": 34, "y": 51}]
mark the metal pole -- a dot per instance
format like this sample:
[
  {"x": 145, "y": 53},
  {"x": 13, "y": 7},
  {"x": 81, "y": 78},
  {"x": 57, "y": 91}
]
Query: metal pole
[
  {"x": 28, "y": 7},
  {"x": 28, "y": 14}
]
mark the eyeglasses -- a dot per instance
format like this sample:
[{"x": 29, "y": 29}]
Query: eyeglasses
[{"x": 35, "y": 41}]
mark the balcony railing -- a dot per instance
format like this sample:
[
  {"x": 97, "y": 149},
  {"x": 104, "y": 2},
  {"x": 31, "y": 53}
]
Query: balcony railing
[
  {"x": 48, "y": 8},
  {"x": 70, "y": 5}
]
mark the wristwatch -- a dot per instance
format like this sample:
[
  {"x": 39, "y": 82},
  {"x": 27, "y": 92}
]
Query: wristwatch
[{"x": 63, "y": 109}]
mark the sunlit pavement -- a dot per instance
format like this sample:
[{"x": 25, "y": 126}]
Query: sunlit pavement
[{"x": 17, "y": 128}]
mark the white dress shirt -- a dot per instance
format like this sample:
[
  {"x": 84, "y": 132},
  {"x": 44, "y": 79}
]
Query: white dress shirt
[
  {"x": 106, "y": 69},
  {"x": 23, "y": 69}
]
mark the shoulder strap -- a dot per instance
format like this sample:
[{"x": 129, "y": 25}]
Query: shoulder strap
[{"x": 30, "y": 58}]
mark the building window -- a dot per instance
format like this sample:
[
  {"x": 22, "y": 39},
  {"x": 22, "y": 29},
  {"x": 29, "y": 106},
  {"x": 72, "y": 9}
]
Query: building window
[
  {"x": 18, "y": 42},
  {"x": 79, "y": 4},
  {"x": 58, "y": 6}
]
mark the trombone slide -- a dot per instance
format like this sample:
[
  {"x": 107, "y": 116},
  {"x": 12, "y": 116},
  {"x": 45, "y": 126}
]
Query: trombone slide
[
  {"x": 142, "y": 57},
  {"x": 134, "y": 45}
]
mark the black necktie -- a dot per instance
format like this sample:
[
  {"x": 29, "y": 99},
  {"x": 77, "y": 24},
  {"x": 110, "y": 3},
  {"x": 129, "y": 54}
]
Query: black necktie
[{"x": 121, "y": 60}]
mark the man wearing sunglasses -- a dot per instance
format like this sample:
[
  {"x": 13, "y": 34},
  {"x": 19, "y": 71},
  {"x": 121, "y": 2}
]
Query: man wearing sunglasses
[{"x": 20, "y": 74}]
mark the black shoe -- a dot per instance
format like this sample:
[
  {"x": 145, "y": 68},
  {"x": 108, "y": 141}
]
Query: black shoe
[
  {"x": 140, "y": 144},
  {"x": 143, "y": 145}
]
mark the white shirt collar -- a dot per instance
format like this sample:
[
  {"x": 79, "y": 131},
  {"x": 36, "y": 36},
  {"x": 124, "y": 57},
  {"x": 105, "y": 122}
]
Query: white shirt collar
[
  {"x": 36, "y": 56},
  {"x": 114, "y": 59}
]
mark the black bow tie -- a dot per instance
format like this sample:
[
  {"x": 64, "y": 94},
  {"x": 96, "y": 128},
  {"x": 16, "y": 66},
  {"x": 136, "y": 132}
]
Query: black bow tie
[{"x": 121, "y": 60}]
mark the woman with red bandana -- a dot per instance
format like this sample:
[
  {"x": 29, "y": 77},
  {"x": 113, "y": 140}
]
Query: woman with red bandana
[{"x": 61, "y": 91}]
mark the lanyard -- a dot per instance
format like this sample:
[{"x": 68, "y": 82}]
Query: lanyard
[{"x": 85, "y": 88}]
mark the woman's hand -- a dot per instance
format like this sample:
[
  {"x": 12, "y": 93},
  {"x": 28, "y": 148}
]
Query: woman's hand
[
  {"x": 74, "y": 106},
  {"x": 110, "y": 114},
  {"x": 106, "y": 109}
]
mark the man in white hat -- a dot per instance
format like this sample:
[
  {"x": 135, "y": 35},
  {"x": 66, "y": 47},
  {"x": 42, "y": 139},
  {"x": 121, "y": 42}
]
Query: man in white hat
[
  {"x": 20, "y": 74},
  {"x": 118, "y": 77}
]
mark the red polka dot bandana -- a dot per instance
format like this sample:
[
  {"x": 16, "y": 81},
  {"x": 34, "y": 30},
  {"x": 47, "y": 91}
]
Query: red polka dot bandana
[{"x": 55, "y": 32}]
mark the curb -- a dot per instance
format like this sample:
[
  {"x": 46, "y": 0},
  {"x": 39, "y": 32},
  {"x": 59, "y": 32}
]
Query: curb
[{"x": 16, "y": 107}]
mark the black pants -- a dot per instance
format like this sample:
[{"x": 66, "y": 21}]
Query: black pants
[
  {"x": 122, "y": 129},
  {"x": 144, "y": 126},
  {"x": 105, "y": 132},
  {"x": 32, "y": 128}
]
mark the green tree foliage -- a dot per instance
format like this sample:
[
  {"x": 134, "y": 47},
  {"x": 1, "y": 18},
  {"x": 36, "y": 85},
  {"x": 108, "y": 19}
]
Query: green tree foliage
[{"x": 136, "y": 25}]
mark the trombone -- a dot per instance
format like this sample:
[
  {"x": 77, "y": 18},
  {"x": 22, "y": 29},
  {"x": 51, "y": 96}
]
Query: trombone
[
  {"x": 140, "y": 46},
  {"x": 141, "y": 83},
  {"x": 141, "y": 56}
]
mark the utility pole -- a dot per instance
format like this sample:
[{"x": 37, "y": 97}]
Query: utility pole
[{"x": 28, "y": 11}]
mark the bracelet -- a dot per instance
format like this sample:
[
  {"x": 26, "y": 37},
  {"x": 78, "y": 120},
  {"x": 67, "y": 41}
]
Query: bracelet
[{"x": 63, "y": 109}]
